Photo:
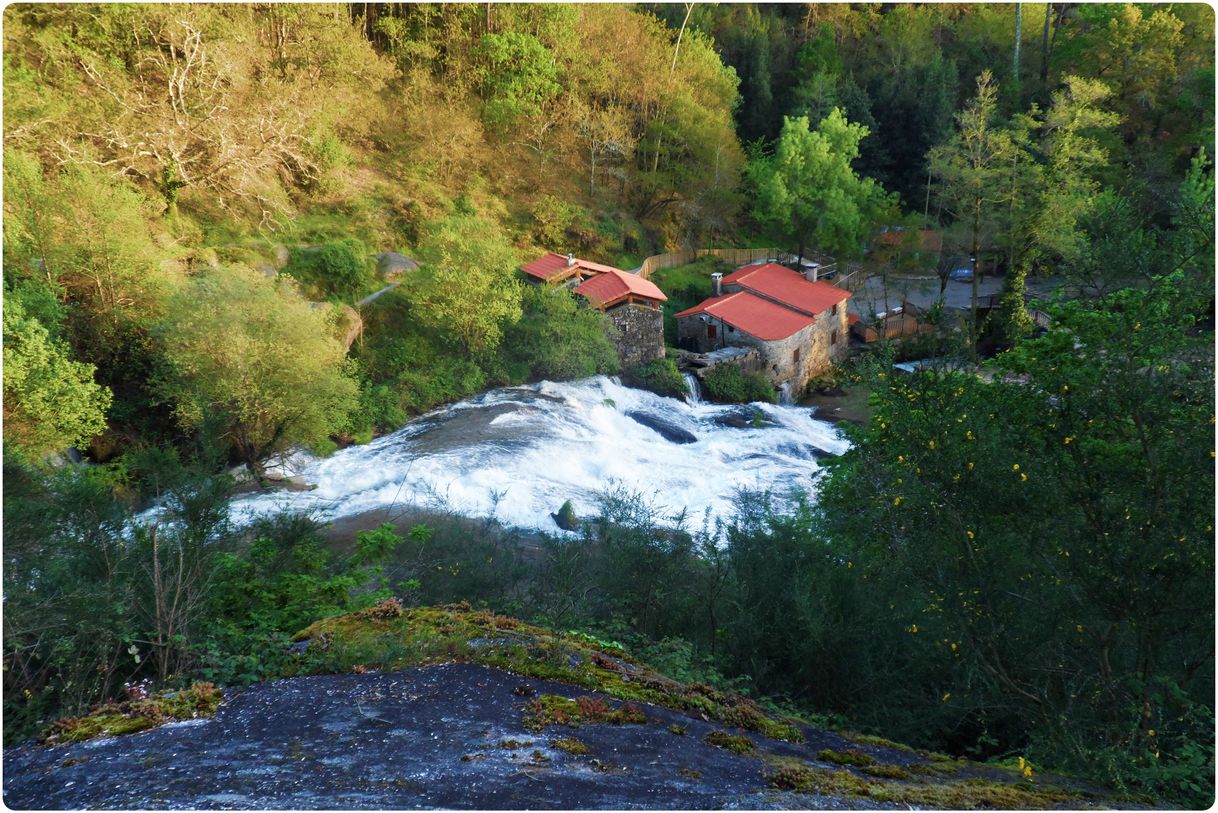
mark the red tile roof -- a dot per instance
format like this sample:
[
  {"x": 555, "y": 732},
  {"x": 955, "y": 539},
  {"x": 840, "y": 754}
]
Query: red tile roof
[
  {"x": 783, "y": 285},
  {"x": 755, "y": 316},
  {"x": 613, "y": 284},
  {"x": 554, "y": 265}
]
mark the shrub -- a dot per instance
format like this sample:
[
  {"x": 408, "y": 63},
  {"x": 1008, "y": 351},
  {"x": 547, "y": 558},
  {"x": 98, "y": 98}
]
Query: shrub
[
  {"x": 727, "y": 383},
  {"x": 338, "y": 269},
  {"x": 553, "y": 217},
  {"x": 660, "y": 377},
  {"x": 559, "y": 339}
]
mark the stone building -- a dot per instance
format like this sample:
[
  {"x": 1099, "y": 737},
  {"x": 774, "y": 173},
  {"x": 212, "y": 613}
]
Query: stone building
[
  {"x": 798, "y": 326},
  {"x": 632, "y": 303}
]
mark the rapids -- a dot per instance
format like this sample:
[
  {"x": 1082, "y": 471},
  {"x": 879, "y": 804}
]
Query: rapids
[{"x": 517, "y": 453}]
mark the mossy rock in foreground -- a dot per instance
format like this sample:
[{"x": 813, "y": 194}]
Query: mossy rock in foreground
[
  {"x": 426, "y": 635},
  {"x": 130, "y": 716}
]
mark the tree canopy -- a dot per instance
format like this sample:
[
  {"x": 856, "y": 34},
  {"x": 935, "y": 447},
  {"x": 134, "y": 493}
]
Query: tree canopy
[
  {"x": 809, "y": 195},
  {"x": 50, "y": 401},
  {"x": 251, "y": 354}
]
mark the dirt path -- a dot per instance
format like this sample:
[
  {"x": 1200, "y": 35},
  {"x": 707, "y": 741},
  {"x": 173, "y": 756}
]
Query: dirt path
[{"x": 376, "y": 295}]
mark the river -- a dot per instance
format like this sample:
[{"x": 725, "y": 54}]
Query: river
[{"x": 517, "y": 453}]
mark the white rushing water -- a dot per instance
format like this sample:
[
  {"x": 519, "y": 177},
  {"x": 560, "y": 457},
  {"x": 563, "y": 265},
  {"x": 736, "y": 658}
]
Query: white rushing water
[
  {"x": 695, "y": 388},
  {"x": 517, "y": 453}
]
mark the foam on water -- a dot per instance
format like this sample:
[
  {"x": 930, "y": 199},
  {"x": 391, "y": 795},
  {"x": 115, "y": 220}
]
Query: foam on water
[{"x": 517, "y": 453}]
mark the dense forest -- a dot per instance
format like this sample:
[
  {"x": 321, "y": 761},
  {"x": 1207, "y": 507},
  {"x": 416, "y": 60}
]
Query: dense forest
[{"x": 194, "y": 198}]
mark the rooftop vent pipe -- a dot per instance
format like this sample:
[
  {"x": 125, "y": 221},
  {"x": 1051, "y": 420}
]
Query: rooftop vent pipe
[
  {"x": 717, "y": 284},
  {"x": 570, "y": 259}
]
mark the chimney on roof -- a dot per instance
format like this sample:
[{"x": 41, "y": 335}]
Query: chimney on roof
[
  {"x": 810, "y": 270},
  {"x": 716, "y": 284},
  {"x": 570, "y": 259}
]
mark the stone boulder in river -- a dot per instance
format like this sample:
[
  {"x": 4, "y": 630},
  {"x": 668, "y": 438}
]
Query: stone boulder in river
[{"x": 669, "y": 431}]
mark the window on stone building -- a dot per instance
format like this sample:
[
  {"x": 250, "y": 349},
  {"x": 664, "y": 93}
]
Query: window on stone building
[
  {"x": 833, "y": 338},
  {"x": 835, "y": 310},
  {"x": 797, "y": 355},
  {"x": 711, "y": 332}
]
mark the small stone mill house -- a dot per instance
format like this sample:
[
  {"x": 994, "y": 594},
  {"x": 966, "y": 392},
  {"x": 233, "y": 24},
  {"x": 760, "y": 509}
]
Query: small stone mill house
[
  {"x": 797, "y": 325},
  {"x": 632, "y": 303}
]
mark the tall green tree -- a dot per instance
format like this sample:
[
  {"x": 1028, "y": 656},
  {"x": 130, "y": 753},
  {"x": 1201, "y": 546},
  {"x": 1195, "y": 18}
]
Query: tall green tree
[
  {"x": 468, "y": 287},
  {"x": 971, "y": 169},
  {"x": 255, "y": 356},
  {"x": 518, "y": 74},
  {"x": 807, "y": 193},
  {"x": 1073, "y": 153},
  {"x": 51, "y": 402}
]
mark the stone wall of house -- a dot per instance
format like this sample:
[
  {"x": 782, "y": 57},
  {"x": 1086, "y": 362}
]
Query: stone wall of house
[
  {"x": 640, "y": 334},
  {"x": 817, "y": 350},
  {"x": 821, "y": 351}
]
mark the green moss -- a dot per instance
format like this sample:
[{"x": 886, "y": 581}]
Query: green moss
[
  {"x": 128, "y": 717},
  {"x": 570, "y": 745},
  {"x": 887, "y": 772},
  {"x": 936, "y": 768},
  {"x": 679, "y": 730},
  {"x": 868, "y": 739},
  {"x": 851, "y": 756},
  {"x": 438, "y": 634},
  {"x": 550, "y": 709},
  {"x": 793, "y": 774},
  {"x": 515, "y": 745},
  {"x": 734, "y": 743},
  {"x": 970, "y": 794}
]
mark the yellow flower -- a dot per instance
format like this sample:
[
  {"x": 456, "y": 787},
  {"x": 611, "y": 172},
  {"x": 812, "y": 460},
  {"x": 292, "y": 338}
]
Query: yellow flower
[
  {"x": 970, "y": 435},
  {"x": 1068, "y": 439},
  {"x": 849, "y": 564},
  {"x": 914, "y": 629},
  {"x": 900, "y": 458},
  {"x": 1151, "y": 732},
  {"x": 1015, "y": 467},
  {"x": 970, "y": 534},
  {"x": 1023, "y": 476},
  {"x": 953, "y": 647},
  {"x": 947, "y": 696},
  {"x": 931, "y": 444},
  {"x": 970, "y": 466},
  {"x": 897, "y": 501}
]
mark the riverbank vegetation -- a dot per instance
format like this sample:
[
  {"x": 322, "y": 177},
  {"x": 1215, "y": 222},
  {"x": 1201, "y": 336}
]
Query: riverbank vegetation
[{"x": 194, "y": 198}]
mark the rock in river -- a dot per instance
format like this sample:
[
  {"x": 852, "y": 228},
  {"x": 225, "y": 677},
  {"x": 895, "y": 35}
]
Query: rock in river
[{"x": 670, "y": 432}]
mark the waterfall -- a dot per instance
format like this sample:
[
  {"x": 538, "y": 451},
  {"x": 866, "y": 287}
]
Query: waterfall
[
  {"x": 695, "y": 389},
  {"x": 784, "y": 394},
  {"x": 518, "y": 453}
]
